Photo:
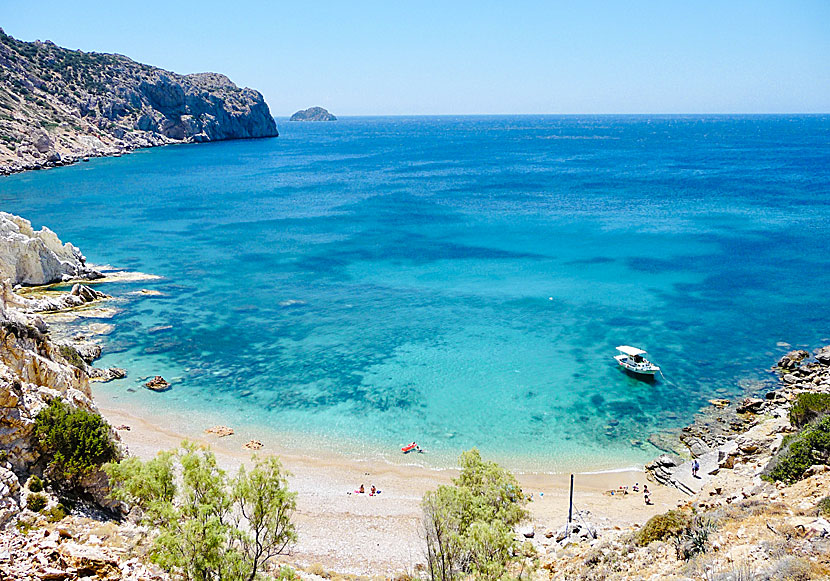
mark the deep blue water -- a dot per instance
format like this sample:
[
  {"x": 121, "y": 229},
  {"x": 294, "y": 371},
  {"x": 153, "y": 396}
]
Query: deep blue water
[{"x": 457, "y": 281}]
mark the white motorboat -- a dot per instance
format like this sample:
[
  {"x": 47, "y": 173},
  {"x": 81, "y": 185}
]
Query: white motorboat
[{"x": 633, "y": 361}]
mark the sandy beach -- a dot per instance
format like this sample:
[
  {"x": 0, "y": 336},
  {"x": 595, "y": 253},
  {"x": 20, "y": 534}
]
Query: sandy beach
[{"x": 359, "y": 534}]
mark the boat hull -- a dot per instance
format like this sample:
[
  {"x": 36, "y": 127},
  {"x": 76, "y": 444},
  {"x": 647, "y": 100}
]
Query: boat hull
[{"x": 647, "y": 377}]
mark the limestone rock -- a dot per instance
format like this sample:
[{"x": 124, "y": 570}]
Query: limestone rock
[
  {"x": 823, "y": 355},
  {"x": 750, "y": 405},
  {"x": 37, "y": 257},
  {"x": 313, "y": 114},
  {"x": 115, "y": 106},
  {"x": 252, "y": 445},
  {"x": 158, "y": 383},
  {"x": 220, "y": 431},
  {"x": 792, "y": 359},
  {"x": 105, "y": 375}
]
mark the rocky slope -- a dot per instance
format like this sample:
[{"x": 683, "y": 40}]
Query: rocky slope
[
  {"x": 313, "y": 114},
  {"x": 58, "y": 106},
  {"x": 752, "y": 529}
]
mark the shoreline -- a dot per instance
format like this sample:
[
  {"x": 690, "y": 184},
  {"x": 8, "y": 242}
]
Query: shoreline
[{"x": 384, "y": 531}]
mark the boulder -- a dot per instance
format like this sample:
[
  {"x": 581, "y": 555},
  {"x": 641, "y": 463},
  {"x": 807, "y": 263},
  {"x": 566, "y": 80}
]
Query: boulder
[
  {"x": 526, "y": 531},
  {"x": 751, "y": 405},
  {"x": 158, "y": 383},
  {"x": 823, "y": 355},
  {"x": 793, "y": 359},
  {"x": 221, "y": 431}
]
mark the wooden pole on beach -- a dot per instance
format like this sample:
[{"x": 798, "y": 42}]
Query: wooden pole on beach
[{"x": 570, "y": 507}]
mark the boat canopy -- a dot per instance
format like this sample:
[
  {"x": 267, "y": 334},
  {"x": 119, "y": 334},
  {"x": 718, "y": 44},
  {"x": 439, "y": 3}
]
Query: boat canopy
[{"x": 630, "y": 351}]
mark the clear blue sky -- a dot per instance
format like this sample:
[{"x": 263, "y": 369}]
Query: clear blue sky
[{"x": 426, "y": 57}]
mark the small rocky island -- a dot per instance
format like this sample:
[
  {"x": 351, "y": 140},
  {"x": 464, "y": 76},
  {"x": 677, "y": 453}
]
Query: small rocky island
[
  {"x": 313, "y": 114},
  {"x": 59, "y": 106}
]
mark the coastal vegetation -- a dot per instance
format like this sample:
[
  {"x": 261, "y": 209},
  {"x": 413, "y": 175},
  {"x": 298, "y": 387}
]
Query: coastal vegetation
[
  {"x": 809, "y": 407},
  {"x": 469, "y": 525},
  {"x": 209, "y": 525},
  {"x": 800, "y": 451},
  {"x": 74, "y": 441}
]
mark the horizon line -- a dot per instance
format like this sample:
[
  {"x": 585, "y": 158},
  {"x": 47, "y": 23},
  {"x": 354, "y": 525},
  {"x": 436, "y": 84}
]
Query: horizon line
[{"x": 375, "y": 115}]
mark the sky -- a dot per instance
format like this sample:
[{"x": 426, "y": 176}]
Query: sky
[{"x": 478, "y": 57}]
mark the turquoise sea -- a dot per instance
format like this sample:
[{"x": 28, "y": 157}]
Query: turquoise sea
[{"x": 458, "y": 281}]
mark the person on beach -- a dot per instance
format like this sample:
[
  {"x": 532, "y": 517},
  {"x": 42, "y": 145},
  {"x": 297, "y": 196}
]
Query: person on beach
[
  {"x": 361, "y": 490},
  {"x": 646, "y": 494},
  {"x": 373, "y": 490},
  {"x": 695, "y": 468}
]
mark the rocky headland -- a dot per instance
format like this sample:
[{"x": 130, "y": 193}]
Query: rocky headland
[
  {"x": 313, "y": 114},
  {"x": 60, "y": 106}
]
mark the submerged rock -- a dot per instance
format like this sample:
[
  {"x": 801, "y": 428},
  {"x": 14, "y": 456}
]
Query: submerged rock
[{"x": 252, "y": 445}]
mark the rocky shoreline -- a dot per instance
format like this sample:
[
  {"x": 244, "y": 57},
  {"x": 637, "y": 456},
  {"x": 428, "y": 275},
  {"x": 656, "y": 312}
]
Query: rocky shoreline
[{"x": 60, "y": 106}]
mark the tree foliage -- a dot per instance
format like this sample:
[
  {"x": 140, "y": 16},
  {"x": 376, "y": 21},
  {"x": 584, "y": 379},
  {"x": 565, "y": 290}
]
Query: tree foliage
[
  {"x": 469, "y": 525},
  {"x": 74, "y": 441},
  {"x": 211, "y": 527}
]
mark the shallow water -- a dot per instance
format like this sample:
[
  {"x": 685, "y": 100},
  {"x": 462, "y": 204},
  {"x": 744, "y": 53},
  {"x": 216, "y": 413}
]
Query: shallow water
[{"x": 457, "y": 281}]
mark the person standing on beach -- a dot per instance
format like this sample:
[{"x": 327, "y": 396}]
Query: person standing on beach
[{"x": 695, "y": 468}]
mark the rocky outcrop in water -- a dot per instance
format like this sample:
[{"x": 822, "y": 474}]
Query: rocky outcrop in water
[
  {"x": 313, "y": 114},
  {"x": 32, "y": 257},
  {"x": 59, "y": 106}
]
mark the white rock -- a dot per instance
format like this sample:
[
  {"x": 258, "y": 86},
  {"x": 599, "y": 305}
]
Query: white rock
[{"x": 35, "y": 258}]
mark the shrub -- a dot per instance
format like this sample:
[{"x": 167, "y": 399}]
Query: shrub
[
  {"x": 209, "y": 526},
  {"x": 694, "y": 539},
  {"x": 810, "y": 446},
  {"x": 36, "y": 502},
  {"x": 824, "y": 506},
  {"x": 74, "y": 441},
  {"x": 35, "y": 484},
  {"x": 662, "y": 527},
  {"x": 469, "y": 526},
  {"x": 809, "y": 407},
  {"x": 72, "y": 356},
  {"x": 56, "y": 513}
]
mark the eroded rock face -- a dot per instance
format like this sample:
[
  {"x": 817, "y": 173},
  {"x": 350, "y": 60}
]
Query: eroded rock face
[
  {"x": 32, "y": 257},
  {"x": 92, "y": 104}
]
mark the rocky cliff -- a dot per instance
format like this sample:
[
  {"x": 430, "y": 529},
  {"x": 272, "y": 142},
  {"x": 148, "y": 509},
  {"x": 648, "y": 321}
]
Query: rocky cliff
[
  {"x": 313, "y": 114},
  {"x": 35, "y": 258},
  {"x": 58, "y": 106}
]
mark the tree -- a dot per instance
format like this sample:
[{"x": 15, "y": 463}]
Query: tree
[
  {"x": 75, "y": 442},
  {"x": 469, "y": 526},
  {"x": 210, "y": 527}
]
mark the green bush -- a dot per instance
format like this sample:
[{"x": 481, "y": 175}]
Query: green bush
[
  {"x": 662, "y": 527},
  {"x": 800, "y": 451},
  {"x": 72, "y": 356},
  {"x": 75, "y": 442},
  {"x": 56, "y": 513},
  {"x": 36, "y": 502},
  {"x": 35, "y": 484},
  {"x": 209, "y": 526},
  {"x": 809, "y": 407},
  {"x": 469, "y": 526},
  {"x": 824, "y": 506}
]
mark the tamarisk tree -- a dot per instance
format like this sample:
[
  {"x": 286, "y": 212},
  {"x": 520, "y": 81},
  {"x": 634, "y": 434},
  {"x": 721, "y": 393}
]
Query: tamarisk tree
[{"x": 211, "y": 527}]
